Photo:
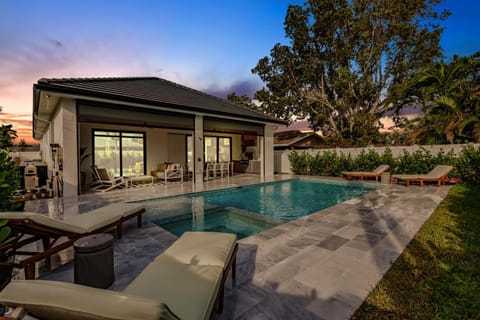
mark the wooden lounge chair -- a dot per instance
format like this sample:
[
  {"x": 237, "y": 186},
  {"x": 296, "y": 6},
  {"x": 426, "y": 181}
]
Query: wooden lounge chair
[
  {"x": 439, "y": 174},
  {"x": 31, "y": 227},
  {"x": 185, "y": 282},
  {"x": 107, "y": 182},
  {"x": 366, "y": 174}
]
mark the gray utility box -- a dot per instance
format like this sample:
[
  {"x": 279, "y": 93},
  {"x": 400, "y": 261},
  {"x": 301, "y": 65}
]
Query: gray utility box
[{"x": 93, "y": 265}]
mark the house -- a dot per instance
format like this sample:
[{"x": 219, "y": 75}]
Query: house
[
  {"x": 297, "y": 135},
  {"x": 130, "y": 125}
]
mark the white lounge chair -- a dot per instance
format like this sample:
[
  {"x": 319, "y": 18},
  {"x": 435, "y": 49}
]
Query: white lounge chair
[{"x": 107, "y": 182}]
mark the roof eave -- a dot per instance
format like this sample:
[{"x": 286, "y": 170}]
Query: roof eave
[{"x": 53, "y": 88}]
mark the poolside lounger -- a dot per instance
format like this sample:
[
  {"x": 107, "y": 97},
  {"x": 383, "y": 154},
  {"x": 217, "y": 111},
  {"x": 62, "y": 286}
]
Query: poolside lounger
[
  {"x": 439, "y": 174},
  {"x": 31, "y": 227},
  {"x": 366, "y": 174},
  {"x": 178, "y": 284}
]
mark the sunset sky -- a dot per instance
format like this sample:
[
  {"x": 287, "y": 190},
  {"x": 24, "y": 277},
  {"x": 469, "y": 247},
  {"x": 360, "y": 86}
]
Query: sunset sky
[{"x": 208, "y": 45}]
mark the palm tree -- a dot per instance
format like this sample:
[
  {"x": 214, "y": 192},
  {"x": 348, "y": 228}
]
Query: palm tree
[{"x": 450, "y": 96}]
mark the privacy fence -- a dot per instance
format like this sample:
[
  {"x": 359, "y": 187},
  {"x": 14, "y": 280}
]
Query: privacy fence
[{"x": 408, "y": 159}]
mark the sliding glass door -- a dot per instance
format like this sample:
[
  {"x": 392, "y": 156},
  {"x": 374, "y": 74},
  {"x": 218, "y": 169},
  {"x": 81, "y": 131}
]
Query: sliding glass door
[{"x": 122, "y": 153}]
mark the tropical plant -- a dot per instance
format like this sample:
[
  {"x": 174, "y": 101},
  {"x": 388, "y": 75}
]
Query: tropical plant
[
  {"x": 9, "y": 173},
  {"x": 449, "y": 94},
  {"x": 342, "y": 57},
  {"x": 7, "y": 136},
  {"x": 22, "y": 145}
]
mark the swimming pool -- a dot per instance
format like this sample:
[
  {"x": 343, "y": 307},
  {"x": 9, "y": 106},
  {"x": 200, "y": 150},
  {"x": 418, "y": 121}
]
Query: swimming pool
[{"x": 250, "y": 209}]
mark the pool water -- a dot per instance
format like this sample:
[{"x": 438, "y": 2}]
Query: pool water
[{"x": 250, "y": 209}]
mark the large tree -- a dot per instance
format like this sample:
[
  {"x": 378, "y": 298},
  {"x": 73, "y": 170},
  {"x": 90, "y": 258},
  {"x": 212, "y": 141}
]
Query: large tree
[{"x": 342, "y": 57}]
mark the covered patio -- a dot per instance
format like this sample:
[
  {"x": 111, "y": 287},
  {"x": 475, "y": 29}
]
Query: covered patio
[{"x": 135, "y": 126}]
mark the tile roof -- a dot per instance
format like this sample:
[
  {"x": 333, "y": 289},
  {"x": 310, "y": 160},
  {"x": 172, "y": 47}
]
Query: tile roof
[{"x": 152, "y": 91}]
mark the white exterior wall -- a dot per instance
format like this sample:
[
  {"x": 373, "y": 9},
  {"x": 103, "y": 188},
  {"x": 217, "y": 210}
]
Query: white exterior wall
[{"x": 282, "y": 164}]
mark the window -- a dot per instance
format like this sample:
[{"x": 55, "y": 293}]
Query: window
[
  {"x": 123, "y": 153},
  {"x": 218, "y": 149}
]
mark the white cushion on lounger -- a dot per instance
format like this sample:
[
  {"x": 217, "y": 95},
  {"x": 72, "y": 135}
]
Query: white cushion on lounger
[
  {"x": 201, "y": 248},
  {"x": 189, "y": 291},
  {"x": 59, "y": 300},
  {"x": 44, "y": 220}
]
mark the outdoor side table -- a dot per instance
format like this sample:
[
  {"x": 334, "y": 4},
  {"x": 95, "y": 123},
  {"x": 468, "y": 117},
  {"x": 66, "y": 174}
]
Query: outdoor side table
[
  {"x": 385, "y": 177},
  {"x": 93, "y": 264}
]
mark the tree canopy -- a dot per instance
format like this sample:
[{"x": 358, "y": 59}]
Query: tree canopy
[{"x": 342, "y": 58}]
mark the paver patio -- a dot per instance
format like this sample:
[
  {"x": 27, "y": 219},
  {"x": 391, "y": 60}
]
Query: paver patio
[{"x": 321, "y": 266}]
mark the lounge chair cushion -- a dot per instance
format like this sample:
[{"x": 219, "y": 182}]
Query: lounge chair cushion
[
  {"x": 188, "y": 290},
  {"x": 59, "y": 300},
  {"x": 44, "y": 220},
  {"x": 97, "y": 218},
  {"x": 81, "y": 223},
  {"x": 201, "y": 248}
]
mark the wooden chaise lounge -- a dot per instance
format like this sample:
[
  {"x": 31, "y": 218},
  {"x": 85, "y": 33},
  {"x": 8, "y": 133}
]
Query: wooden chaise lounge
[
  {"x": 185, "y": 282},
  {"x": 31, "y": 227},
  {"x": 439, "y": 174},
  {"x": 366, "y": 174}
]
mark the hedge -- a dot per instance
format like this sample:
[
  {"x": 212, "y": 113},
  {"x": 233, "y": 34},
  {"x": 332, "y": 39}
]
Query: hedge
[{"x": 330, "y": 163}]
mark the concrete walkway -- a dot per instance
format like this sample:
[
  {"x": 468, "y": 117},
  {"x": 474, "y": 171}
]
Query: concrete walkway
[{"x": 321, "y": 266}]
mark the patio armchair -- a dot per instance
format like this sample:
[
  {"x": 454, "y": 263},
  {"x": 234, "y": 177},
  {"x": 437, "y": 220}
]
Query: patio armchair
[
  {"x": 168, "y": 171},
  {"x": 366, "y": 174},
  {"x": 439, "y": 174},
  {"x": 188, "y": 282},
  {"x": 107, "y": 182},
  {"x": 31, "y": 227}
]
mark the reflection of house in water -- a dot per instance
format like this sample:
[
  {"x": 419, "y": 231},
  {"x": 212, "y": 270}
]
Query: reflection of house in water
[{"x": 297, "y": 136}]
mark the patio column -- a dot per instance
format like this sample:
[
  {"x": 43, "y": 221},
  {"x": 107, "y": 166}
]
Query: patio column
[
  {"x": 70, "y": 149},
  {"x": 268, "y": 151},
  {"x": 198, "y": 151}
]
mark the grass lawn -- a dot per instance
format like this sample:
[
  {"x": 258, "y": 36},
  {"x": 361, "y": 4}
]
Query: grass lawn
[{"x": 438, "y": 274}]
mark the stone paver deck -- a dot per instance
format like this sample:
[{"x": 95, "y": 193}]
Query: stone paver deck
[{"x": 321, "y": 266}]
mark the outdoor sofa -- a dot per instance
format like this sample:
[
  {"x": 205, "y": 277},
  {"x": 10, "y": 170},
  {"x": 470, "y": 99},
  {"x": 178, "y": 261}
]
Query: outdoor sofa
[
  {"x": 366, "y": 174},
  {"x": 168, "y": 171},
  {"x": 185, "y": 282},
  {"x": 30, "y": 227},
  {"x": 439, "y": 174}
]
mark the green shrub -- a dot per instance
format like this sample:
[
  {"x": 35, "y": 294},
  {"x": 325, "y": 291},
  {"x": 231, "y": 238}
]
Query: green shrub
[
  {"x": 368, "y": 160},
  {"x": 330, "y": 163},
  {"x": 299, "y": 162},
  {"x": 9, "y": 180},
  {"x": 468, "y": 165}
]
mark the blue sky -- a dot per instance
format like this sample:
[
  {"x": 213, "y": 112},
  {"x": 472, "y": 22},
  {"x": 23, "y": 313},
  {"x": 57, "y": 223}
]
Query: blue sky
[{"x": 210, "y": 45}]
